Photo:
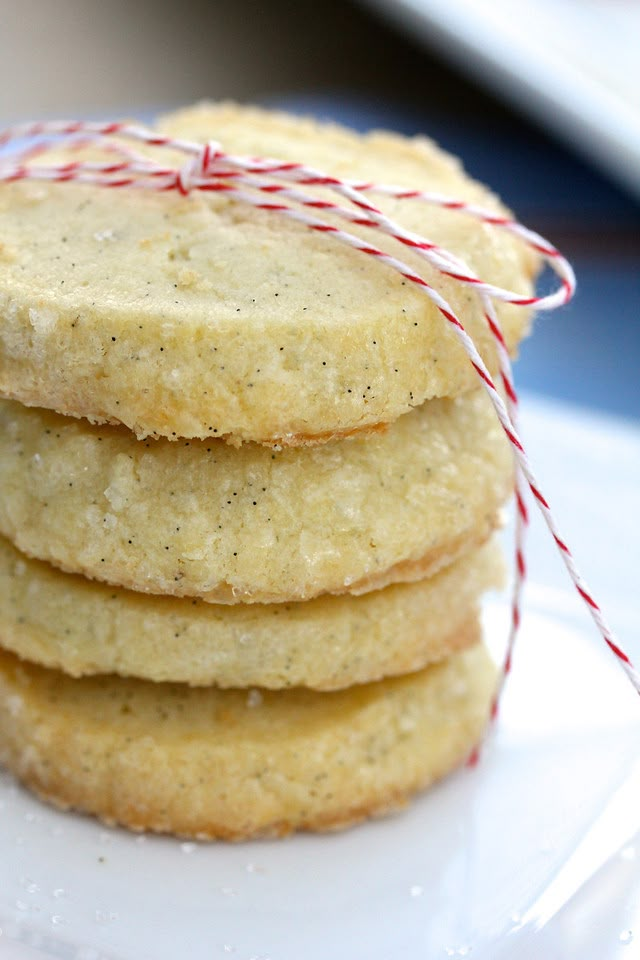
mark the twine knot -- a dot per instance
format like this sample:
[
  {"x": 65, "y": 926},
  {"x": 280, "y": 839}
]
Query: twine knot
[{"x": 198, "y": 168}]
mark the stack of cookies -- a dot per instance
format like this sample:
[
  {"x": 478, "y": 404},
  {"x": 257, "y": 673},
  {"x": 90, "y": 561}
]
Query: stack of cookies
[{"x": 247, "y": 491}]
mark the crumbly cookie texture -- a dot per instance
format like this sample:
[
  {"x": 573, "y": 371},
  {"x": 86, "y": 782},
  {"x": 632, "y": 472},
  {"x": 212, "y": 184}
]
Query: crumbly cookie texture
[
  {"x": 84, "y": 627},
  {"x": 201, "y": 317},
  {"x": 204, "y": 519},
  {"x": 231, "y": 764}
]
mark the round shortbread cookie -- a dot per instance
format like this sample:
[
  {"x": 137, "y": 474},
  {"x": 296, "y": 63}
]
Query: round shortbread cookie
[
  {"x": 200, "y": 316},
  {"x": 251, "y": 524},
  {"x": 84, "y": 627},
  {"x": 232, "y": 764}
]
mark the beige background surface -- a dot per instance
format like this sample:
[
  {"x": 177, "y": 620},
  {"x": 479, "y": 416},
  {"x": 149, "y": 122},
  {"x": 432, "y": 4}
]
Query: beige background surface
[{"x": 83, "y": 57}]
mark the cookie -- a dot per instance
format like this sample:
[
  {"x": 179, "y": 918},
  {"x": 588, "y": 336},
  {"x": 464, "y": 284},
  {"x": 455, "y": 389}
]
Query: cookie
[
  {"x": 203, "y": 519},
  {"x": 85, "y": 627},
  {"x": 234, "y": 322},
  {"x": 208, "y": 763}
]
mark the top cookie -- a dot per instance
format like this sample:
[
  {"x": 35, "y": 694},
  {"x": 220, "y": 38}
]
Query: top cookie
[{"x": 199, "y": 316}]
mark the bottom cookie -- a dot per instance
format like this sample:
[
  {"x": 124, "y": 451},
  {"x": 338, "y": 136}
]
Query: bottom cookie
[{"x": 232, "y": 764}]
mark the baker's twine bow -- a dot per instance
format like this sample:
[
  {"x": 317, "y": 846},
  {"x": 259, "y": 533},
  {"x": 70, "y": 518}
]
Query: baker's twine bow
[{"x": 278, "y": 186}]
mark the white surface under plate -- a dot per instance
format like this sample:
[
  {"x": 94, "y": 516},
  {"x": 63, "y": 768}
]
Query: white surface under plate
[{"x": 534, "y": 854}]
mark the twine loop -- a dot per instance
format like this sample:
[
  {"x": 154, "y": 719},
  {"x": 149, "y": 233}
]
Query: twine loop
[{"x": 282, "y": 188}]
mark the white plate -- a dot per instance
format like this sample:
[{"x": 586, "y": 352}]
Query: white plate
[
  {"x": 573, "y": 64},
  {"x": 533, "y": 854}
]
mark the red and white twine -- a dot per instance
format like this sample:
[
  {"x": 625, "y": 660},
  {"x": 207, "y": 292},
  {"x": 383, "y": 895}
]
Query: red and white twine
[{"x": 274, "y": 185}]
